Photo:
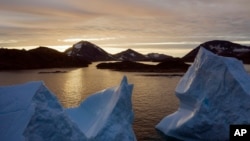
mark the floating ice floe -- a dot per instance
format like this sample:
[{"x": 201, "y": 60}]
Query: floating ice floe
[
  {"x": 214, "y": 93},
  {"x": 31, "y": 112}
]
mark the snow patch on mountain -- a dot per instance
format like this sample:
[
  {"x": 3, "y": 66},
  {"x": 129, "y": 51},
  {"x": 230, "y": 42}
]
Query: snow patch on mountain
[{"x": 78, "y": 46}]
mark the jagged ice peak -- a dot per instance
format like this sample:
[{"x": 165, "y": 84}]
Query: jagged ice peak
[{"x": 214, "y": 93}]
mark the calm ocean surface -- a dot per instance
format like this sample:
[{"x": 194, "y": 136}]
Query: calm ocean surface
[{"x": 153, "y": 96}]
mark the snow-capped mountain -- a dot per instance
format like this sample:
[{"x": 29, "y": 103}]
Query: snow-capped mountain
[
  {"x": 88, "y": 51},
  {"x": 158, "y": 57},
  {"x": 130, "y": 55},
  {"x": 85, "y": 50},
  {"x": 223, "y": 48}
]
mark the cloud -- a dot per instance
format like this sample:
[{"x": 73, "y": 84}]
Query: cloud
[
  {"x": 41, "y": 14},
  {"x": 8, "y": 41},
  {"x": 54, "y": 21}
]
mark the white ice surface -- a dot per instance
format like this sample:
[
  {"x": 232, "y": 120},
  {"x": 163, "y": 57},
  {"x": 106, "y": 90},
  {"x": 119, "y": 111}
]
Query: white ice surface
[
  {"x": 106, "y": 115},
  {"x": 49, "y": 122},
  {"x": 16, "y": 110},
  {"x": 31, "y": 112},
  {"x": 214, "y": 93}
]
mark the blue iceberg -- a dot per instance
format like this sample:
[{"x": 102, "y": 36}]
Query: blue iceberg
[
  {"x": 31, "y": 112},
  {"x": 214, "y": 93},
  {"x": 106, "y": 115}
]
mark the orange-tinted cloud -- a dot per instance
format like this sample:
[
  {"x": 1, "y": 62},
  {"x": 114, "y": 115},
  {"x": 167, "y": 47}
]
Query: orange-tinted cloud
[{"x": 42, "y": 22}]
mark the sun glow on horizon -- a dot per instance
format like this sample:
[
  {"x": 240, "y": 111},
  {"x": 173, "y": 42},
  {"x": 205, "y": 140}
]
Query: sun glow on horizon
[
  {"x": 59, "y": 48},
  {"x": 172, "y": 48},
  {"x": 176, "y": 52}
]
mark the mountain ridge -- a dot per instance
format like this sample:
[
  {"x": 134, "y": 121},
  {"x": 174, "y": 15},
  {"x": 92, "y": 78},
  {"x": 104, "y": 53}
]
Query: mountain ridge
[
  {"x": 85, "y": 50},
  {"x": 83, "y": 53},
  {"x": 41, "y": 57},
  {"x": 130, "y": 55},
  {"x": 222, "y": 48}
]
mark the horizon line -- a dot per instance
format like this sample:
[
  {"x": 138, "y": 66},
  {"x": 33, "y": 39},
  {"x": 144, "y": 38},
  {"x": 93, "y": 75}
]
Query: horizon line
[{"x": 116, "y": 48}]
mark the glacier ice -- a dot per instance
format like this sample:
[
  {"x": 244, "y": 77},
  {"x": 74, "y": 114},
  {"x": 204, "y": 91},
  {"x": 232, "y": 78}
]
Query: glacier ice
[
  {"x": 106, "y": 115},
  {"x": 31, "y": 112},
  {"x": 214, "y": 93},
  {"x": 49, "y": 121},
  {"x": 15, "y": 110}
]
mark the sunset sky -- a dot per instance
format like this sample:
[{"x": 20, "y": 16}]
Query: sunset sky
[{"x": 165, "y": 26}]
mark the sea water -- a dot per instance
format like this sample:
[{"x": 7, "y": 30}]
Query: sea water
[{"x": 153, "y": 95}]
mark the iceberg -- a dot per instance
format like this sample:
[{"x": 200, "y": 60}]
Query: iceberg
[
  {"x": 214, "y": 94},
  {"x": 31, "y": 112},
  {"x": 106, "y": 115},
  {"x": 16, "y": 110}
]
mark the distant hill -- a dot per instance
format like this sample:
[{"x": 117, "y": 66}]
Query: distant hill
[
  {"x": 130, "y": 55},
  {"x": 157, "y": 57},
  {"x": 85, "y": 50},
  {"x": 91, "y": 52},
  {"x": 41, "y": 57},
  {"x": 223, "y": 48}
]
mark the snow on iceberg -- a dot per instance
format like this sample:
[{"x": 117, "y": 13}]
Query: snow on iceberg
[
  {"x": 15, "y": 110},
  {"x": 31, "y": 112},
  {"x": 106, "y": 115},
  {"x": 214, "y": 93}
]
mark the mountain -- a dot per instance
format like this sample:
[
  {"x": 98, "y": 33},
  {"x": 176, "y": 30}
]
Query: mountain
[
  {"x": 157, "y": 57},
  {"x": 41, "y": 57},
  {"x": 88, "y": 51},
  {"x": 85, "y": 50},
  {"x": 223, "y": 48},
  {"x": 130, "y": 55}
]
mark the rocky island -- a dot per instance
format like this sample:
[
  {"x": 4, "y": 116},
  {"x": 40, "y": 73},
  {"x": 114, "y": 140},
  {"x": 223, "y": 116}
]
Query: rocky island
[{"x": 169, "y": 65}]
